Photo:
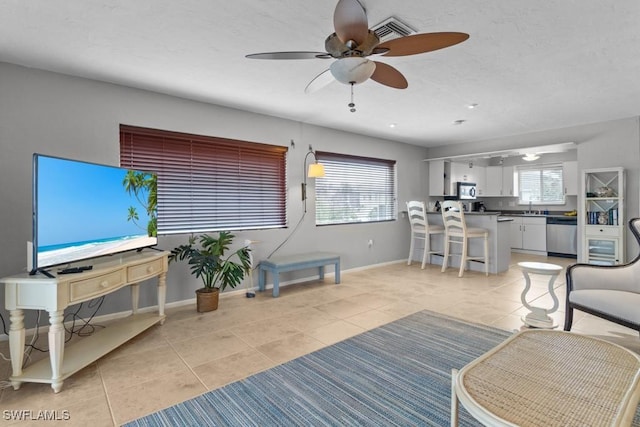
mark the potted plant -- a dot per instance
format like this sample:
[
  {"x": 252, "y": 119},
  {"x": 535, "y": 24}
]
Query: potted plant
[{"x": 208, "y": 260}]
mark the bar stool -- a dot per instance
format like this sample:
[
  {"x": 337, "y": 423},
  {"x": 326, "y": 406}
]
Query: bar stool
[
  {"x": 456, "y": 231},
  {"x": 421, "y": 230}
]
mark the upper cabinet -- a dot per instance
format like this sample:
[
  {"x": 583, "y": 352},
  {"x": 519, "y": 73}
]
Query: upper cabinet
[
  {"x": 436, "y": 178},
  {"x": 499, "y": 181},
  {"x": 570, "y": 177},
  {"x": 443, "y": 176}
]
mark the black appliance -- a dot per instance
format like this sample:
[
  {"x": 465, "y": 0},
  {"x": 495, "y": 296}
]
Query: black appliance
[{"x": 477, "y": 207}]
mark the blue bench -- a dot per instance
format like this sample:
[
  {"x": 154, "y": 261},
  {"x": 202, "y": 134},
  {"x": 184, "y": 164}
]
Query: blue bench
[{"x": 280, "y": 264}]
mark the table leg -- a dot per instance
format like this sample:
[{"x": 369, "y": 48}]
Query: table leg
[
  {"x": 56, "y": 348},
  {"x": 135, "y": 297},
  {"x": 16, "y": 344},
  {"x": 162, "y": 294}
]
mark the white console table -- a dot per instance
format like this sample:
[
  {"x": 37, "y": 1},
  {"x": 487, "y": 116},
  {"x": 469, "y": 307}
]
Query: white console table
[{"x": 38, "y": 292}]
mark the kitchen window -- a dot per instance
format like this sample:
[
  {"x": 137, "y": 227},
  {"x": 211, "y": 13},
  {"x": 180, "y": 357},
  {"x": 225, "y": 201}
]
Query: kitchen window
[
  {"x": 355, "y": 189},
  {"x": 209, "y": 183},
  {"x": 540, "y": 184}
]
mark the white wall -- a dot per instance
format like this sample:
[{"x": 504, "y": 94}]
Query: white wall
[{"x": 77, "y": 118}]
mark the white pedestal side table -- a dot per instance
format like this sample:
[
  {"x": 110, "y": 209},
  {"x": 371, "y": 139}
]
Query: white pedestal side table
[{"x": 538, "y": 316}]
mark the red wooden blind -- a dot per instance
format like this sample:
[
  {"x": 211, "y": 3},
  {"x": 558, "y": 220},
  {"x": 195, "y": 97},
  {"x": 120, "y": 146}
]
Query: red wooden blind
[{"x": 209, "y": 183}]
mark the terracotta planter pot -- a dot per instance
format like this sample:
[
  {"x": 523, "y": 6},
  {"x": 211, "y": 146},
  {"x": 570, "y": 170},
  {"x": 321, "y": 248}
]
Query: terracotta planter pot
[{"x": 207, "y": 299}]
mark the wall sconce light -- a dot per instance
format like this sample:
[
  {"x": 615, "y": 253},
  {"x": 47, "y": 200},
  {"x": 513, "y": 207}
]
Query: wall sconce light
[{"x": 316, "y": 170}]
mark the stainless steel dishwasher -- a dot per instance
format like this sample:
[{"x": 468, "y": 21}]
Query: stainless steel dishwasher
[{"x": 562, "y": 236}]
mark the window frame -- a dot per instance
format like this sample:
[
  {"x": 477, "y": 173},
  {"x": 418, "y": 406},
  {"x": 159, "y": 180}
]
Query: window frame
[
  {"x": 541, "y": 169},
  {"x": 355, "y": 166},
  {"x": 209, "y": 184}
]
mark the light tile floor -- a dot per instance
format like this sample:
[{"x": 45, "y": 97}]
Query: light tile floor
[{"x": 195, "y": 352}]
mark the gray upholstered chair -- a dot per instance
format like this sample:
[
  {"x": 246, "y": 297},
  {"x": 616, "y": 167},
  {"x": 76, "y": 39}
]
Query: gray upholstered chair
[{"x": 611, "y": 292}]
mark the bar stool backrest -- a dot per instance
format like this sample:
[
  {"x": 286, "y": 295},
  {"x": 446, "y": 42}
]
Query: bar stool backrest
[{"x": 453, "y": 217}]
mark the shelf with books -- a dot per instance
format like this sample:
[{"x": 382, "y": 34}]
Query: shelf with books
[{"x": 603, "y": 225}]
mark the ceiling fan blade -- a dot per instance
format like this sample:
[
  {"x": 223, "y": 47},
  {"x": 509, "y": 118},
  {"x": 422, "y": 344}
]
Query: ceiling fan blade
[
  {"x": 289, "y": 55},
  {"x": 387, "y": 75},
  {"x": 421, "y": 43},
  {"x": 321, "y": 80},
  {"x": 350, "y": 21}
]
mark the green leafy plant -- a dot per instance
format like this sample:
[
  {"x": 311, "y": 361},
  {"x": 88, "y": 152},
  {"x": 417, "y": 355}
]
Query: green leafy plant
[
  {"x": 145, "y": 188},
  {"x": 207, "y": 260}
]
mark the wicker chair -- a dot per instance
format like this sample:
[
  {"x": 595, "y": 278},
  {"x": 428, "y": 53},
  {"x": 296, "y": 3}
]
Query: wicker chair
[{"x": 611, "y": 292}]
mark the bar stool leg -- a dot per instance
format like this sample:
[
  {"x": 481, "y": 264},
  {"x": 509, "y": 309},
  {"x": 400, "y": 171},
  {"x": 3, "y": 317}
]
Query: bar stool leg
[
  {"x": 486, "y": 255},
  {"x": 463, "y": 257},
  {"x": 445, "y": 260},
  {"x": 411, "y": 249}
]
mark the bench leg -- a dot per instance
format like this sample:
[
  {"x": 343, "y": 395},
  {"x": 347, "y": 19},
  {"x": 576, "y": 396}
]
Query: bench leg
[
  {"x": 276, "y": 284},
  {"x": 321, "y": 272},
  {"x": 262, "y": 277},
  {"x": 337, "y": 271}
]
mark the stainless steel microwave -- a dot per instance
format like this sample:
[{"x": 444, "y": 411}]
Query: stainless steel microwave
[{"x": 466, "y": 190}]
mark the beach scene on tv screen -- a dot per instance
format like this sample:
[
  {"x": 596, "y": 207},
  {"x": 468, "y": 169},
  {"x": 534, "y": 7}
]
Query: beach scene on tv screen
[{"x": 86, "y": 210}]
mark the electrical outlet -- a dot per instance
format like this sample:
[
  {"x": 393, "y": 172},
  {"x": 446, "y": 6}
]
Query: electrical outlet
[{"x": 370, "y": 243}]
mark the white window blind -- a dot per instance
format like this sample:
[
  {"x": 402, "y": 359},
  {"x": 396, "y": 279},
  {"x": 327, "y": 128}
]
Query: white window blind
[
  {"x": 209, "y": 183},
  {"x": 541, "y": 184},
  {"x": 355, "y": 189}
]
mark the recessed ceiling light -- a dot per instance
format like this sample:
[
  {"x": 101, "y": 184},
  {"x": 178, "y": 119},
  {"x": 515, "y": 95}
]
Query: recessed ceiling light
[
  {"x": 459, "y": 122},
  {"x": 472, "y": 106},
  {"x": 392, "y": 125}
]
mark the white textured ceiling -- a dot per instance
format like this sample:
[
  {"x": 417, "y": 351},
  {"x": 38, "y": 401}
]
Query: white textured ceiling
[{"x": 530, "y": 65}]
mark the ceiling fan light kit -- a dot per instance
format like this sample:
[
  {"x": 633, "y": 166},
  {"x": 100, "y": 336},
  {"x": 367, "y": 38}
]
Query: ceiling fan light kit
[
  {"x": 353, "y": 41},
  {"x": 352, "y": 70}
]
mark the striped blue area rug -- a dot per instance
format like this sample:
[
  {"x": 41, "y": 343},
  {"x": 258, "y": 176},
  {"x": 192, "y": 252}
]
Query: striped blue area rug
[{"x": 396, "y": 375}]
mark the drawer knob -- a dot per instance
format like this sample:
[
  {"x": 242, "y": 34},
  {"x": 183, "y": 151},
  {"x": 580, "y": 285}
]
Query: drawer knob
[
  {"x": 150, "y": 269},
  {"x": 104, "y": 284}
]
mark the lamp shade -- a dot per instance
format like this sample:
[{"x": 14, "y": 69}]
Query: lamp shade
[
  {"x": 316, "y": 170},
  {"x": 352, "y": 69}
]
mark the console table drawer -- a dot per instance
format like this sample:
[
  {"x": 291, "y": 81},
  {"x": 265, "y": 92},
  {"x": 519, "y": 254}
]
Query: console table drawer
[
  {"x": 98, "y": 285},
  {"x": 147, "y": 270}
]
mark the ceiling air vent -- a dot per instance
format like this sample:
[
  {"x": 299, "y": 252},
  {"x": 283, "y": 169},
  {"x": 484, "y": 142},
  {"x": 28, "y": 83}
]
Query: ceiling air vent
[{"x": 392, "y": 28}]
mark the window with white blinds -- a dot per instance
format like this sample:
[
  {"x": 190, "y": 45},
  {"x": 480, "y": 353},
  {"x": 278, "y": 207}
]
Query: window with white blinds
[
  {"x": 355, "y": 189},
  {"x": 540, "y": 184},
  {"x": 209, "y": 183}
]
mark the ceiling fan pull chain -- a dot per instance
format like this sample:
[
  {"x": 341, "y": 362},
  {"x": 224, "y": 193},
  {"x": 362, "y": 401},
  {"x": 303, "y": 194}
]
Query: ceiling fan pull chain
[{"x": 352, "y": 106}]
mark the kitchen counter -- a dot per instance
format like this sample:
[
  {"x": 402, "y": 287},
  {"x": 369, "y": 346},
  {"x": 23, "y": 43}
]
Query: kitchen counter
[{"x": 499, "y": 241}]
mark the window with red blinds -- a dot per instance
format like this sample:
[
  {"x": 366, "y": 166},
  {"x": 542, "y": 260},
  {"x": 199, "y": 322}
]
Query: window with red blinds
[{"x": 209, "y": 183}]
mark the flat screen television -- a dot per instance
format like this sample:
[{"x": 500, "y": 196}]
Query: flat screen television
[{"x": 85, "y": 210}]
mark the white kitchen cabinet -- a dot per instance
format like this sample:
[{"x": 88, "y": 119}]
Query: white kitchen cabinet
[
  {"x": 436, "y": 178},
  {"x": 479, "y": 176},
  {"x": 508, "y": 178},
  {"x": 499, "y": 181},
  {"x": 529, "y": 233},
  {"x": 493, "y": 181},
  {"x": 570, "y": 177}
]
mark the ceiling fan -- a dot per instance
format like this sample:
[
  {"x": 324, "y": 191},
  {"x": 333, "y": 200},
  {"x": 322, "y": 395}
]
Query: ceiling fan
[{"x": 351, "y": 44}]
